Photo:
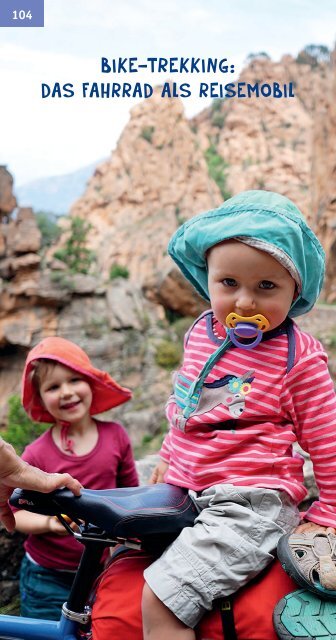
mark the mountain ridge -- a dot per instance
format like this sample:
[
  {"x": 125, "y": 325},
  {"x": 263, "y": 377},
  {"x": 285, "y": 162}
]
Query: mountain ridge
[{"x": 55, "y": 194}]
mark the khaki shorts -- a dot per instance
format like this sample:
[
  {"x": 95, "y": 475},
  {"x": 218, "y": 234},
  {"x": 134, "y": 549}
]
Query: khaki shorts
[{"x": 234, "y": 538}]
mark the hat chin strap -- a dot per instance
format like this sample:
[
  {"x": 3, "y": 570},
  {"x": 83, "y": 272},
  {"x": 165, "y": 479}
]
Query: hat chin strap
[{"x": 67, "y": 443}]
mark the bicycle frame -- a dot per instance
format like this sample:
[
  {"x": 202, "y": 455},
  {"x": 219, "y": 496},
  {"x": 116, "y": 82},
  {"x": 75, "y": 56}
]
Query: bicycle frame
[
  {"x": 35, "y": 629},
  {"x": 72, "y": 618},
  {"x": 104, "y": 519}
]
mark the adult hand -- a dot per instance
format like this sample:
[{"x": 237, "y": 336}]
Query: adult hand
[{"x": 14, "y": 472}]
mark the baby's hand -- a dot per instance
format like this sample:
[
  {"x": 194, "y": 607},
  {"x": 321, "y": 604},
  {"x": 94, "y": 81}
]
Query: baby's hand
[
  {"x": 311, "y": 527},
  {"x": 159, "y": 472}
]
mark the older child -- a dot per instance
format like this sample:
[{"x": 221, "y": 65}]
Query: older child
[
  {"x": 250, "y": 385},
  {"x": 61, "y": 386}
]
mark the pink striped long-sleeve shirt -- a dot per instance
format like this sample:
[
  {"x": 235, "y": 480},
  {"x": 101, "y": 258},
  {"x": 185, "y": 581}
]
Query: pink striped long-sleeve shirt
[{"x": 251, "y": 411}]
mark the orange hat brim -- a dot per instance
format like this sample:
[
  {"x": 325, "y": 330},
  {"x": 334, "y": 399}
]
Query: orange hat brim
[{"x": 106, "y": 392}]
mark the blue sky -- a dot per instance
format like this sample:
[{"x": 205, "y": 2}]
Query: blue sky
[{"x": 55, "y": 136}]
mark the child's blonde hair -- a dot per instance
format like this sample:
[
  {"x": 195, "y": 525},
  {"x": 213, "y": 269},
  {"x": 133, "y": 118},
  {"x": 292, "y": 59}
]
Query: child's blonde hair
[{"x": 40, "y": 369}]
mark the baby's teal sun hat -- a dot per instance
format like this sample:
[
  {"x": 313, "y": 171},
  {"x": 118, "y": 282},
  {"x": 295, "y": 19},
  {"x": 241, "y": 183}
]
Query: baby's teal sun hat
[{"x": 265, "y": 220}]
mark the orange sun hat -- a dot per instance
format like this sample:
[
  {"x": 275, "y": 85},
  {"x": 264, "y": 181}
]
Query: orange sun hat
[{"x": 106, "y": 392}]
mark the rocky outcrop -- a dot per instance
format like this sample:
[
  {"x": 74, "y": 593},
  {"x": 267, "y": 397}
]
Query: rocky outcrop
[
  {"x": 19, "y": 261},
  {"x": 285, "y": 145},
  {"x": 324, "y": 176},
  {"x": 160, "y": 173},
  {"x": 269, "y": 143},
  {"x": 159, "y": 176},
  {"x": 174, "y": 292},
  {"x": 7, "y": 198},
  {"x": 112, "y": 320},
  {"x": 156, "y": 178},
  {"x": 23, "y": 287}
]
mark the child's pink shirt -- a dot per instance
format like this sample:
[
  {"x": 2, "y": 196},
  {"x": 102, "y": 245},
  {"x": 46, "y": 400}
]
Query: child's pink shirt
[
  {"x": 276, "y": 409},
  {"x": 110, "y": 464}
]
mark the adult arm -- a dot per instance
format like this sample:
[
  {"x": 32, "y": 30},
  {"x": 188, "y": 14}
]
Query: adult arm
[{"x": 14, "y": 472}]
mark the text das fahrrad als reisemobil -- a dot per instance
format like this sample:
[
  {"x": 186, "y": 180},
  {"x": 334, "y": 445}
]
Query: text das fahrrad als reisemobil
[{"x": 215, "y": 86}]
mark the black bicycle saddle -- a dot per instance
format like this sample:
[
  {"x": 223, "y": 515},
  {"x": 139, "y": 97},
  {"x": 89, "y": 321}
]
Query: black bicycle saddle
[{"x": 128, "y": 512}]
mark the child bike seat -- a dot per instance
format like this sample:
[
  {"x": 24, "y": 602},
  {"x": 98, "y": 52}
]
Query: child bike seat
[{"x": 124, "y": 513}]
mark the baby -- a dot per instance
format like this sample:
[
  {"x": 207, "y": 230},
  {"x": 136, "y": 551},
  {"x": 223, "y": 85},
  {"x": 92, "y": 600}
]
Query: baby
[{"x": 250, "y": 385}]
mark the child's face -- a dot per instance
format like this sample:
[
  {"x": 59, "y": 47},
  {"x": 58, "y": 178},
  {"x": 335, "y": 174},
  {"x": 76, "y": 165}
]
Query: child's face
[
  {"x": 66, "y": 394},
  {"x": 247, "y": 281}
]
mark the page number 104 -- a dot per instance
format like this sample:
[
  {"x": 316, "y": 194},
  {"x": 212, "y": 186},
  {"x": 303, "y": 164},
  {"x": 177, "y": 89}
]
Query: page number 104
[{"x": 22, "y": 15}]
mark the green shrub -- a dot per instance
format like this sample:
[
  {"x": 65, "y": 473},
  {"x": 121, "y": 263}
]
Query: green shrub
[
  {"x": 147, "y": 133},
  {"x": 261, "y": 55},
  {"x": 21, "y": 430},
  {"x": 75, "y": 253},
  {"x": 151, "y": 443},
  {"x": 96, "y": 327},
  {"x": 179, "y": 217},
  {"x": 168, "y": 354},
  {"x": 218, "y": 120},
  {"x": 118, "y": 271},
  {"x": 47, "y": 224},
  {"x": 172, "y": 315},
  {"x": 62, "y": 279},
  {"x": 217, "y": 168},
  {"x": 216, "y": 105},
  {"x": 314, "y": 54}
]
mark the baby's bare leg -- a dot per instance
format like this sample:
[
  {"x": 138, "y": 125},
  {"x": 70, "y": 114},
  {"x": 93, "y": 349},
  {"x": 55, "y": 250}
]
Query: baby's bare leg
[{"x": 159, "y": 623}]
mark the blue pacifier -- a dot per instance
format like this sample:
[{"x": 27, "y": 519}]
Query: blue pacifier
[{"x": 246, "y": 327}]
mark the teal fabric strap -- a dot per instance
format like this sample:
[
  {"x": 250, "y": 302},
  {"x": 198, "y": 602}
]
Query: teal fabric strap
[{"x": 196, "y": 386}]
